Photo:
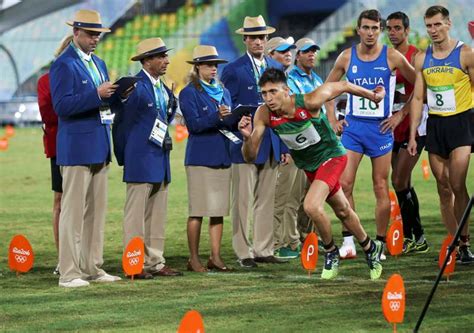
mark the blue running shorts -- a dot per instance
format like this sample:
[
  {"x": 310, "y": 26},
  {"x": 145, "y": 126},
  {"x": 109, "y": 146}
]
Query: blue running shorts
[{"x": 364, "y": 137}]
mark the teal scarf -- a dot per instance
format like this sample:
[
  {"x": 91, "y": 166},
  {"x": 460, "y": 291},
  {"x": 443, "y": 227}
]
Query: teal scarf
[{"x": 213, "y": 89}]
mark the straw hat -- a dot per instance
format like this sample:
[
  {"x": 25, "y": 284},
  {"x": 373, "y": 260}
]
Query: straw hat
[
  {"x": 88, "y": 20},
  {"x": 305, "y": 44},
  {"x": 149, "y": 47},
  {"x": 279, "y": 44},
  {"x": 205, "y": 53},
  {"x": 255, "y": 26}
]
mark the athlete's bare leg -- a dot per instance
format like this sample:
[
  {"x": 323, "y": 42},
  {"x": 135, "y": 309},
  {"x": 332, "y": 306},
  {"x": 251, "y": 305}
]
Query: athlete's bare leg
[
  {"x": 380, "y": 172},
  {"x": 439, "y": 167}
]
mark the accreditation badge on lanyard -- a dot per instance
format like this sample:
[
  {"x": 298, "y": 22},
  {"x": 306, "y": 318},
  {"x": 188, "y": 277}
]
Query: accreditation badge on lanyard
[
  {"x": 106, "y": 116},
  {"x": 158, "y": 132},
  {"x": 231, "y": 136},
  {"x": 160, "y": 127}
]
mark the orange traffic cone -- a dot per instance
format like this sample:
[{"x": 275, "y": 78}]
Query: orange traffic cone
[
  {"x": 9, "y": 131},
  {"x": 425, "y": 169},
  {"x": 3, "y": 143}
]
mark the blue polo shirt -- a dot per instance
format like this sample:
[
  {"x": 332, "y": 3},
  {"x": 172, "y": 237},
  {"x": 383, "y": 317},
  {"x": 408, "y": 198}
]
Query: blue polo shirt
[{"x": 302, "y": 83}]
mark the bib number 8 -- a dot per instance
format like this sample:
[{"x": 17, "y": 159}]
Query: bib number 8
[{"x": 441, "y": 98}]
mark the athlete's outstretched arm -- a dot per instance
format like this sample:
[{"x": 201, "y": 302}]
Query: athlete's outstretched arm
[
  {"x": 329, "y": 90},
  {"x": 252, "y": 135}
]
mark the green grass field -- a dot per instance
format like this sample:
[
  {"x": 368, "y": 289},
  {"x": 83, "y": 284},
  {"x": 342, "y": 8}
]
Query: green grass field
[{"x": 272, "y": 298}]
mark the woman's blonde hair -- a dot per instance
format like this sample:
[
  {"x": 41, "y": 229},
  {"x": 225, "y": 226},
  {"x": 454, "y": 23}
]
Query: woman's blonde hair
[{"x": 62, "y": 46}]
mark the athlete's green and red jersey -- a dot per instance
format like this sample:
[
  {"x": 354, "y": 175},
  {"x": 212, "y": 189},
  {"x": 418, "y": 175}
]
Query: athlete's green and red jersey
[{"x": 311, "y": 140}]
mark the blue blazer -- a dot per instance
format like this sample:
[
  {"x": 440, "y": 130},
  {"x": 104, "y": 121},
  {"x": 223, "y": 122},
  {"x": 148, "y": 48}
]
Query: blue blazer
[
  {"x": 206, "y": 146},
  {"x": 143, "y": 161},
  {"x": 82, "y": 138},
  {"x": 238, "y": 76}
]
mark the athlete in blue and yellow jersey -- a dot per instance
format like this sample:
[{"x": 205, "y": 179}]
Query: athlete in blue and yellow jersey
[
  {"x": 369, "y": 125},
  {"x": 445, "y": 72},
  {"x": 299, "y": 122}
]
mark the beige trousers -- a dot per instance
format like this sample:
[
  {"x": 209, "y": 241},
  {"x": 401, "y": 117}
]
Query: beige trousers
[
  {"x": 81, "y": 230},
  {"x": 289, "y": 196},
  {"x": 145, "y": 217},
  {"x": 253, "y": 189}
]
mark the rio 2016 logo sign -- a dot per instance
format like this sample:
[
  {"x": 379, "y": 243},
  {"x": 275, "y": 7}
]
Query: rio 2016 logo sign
[
  {"x": 20, "y": 254},
  {"x": 133, "y": 257}
]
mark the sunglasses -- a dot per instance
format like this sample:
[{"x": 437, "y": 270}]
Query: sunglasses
[{"x": 92, "y": 34}]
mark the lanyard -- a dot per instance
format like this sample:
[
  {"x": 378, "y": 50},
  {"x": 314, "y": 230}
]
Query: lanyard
[
  {"x": 94, "y": 71},
  {"x": 160, "y": 100},
  {"x": 92, "y": 68},
  {"x": 258, "y": 73}
]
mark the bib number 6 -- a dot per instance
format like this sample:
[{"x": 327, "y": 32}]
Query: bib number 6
[{"x": 300, "y": 138}]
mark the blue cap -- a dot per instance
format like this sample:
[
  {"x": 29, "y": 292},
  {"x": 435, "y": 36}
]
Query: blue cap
[{"x": 285, "y": 47}]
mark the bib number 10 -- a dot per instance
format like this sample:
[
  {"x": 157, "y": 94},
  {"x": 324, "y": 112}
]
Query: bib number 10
[
  {"x": 367, "y": 104},
  {"x": 364, "y": 107}
]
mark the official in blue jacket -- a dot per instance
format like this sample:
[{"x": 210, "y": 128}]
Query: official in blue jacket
[
  {"x": 253, "y": 182},
  {"x": 205, "y": 105},
  {"x": 82, "y": 98},
  {"x": 143, "y": 142}
]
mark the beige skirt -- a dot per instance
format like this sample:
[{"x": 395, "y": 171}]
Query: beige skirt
[{"x": 208, "y": 191}]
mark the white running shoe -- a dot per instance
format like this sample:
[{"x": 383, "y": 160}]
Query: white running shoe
[
  {"x": 104, "y": 278},
  {"x": 347, "y": 251},
  {"x": 76, "y": 283},
  {"x": 56, "y": 270},
  {"x": 383, "y": 257}
]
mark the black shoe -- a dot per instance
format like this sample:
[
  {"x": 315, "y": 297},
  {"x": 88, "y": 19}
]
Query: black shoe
[
  {"x": 270, "y": 260},
  {"x": 142, "y": 276},
  {"x": 247, "y": 263},
  {"x": 465, "y": 255}
]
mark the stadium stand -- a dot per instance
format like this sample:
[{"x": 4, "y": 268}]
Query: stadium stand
[
  {"x": 186, "y": 23},
  {"x": 33, "y": 43}
]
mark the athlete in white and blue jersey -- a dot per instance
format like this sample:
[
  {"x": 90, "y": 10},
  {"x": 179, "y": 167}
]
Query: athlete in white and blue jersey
[
  {"x": 369, "y": 64},
  {"x": 363, "y": 116}
]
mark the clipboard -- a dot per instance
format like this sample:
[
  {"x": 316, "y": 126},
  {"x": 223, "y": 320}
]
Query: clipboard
[
  {"x": 244, "y": 110},
  {"x": 125, "y": 82}
]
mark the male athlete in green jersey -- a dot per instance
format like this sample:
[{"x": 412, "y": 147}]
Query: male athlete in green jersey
[{"x": 315, "y": 149}]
